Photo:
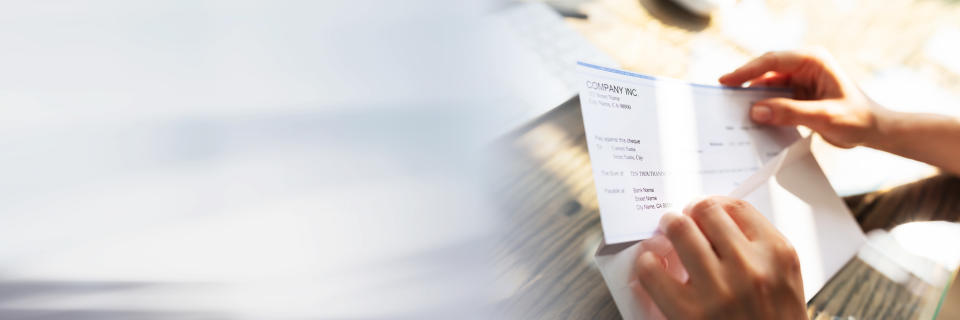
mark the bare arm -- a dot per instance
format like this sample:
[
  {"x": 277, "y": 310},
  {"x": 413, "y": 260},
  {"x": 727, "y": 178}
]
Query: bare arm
[{"x": 930, "y": 138}]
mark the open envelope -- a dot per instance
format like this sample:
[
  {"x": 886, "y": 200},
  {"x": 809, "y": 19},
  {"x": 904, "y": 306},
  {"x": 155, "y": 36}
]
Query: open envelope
[{"x": 790, "y": 190}]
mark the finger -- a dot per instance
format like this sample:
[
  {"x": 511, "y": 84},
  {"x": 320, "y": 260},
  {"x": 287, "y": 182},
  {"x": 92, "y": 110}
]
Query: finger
[
  {"x": 663, "y": 289},
  {"x": 690, "y": 244},
  {"x": 675, "y": 267},
  {"x": 772, "y": 80},
  {"x": 717, "y": 225},
  {"x": 790, "y": 112},
  {"x": 780, "y": 62},
  {"x": 750, "y": 221},
  {"x": 658, "y": 244},
  {"x": 661, "y": 246}
]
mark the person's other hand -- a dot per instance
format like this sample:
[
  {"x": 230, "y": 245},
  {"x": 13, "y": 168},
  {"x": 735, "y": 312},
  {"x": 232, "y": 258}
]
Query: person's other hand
[
  {"x": 826, "y": 101},
  {"x": 738, "y": 265},
  {"x": 661, "y": 247}
]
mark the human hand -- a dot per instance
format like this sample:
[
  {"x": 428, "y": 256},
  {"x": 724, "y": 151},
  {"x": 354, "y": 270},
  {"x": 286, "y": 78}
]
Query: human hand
[
  {"x": 737, "y": 265},
  {"x": 826, "y": 100},
  {"x": 660, "y": 246}
]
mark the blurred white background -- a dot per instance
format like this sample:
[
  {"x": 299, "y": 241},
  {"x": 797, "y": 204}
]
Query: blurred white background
[{"x": 241, "y": 159}]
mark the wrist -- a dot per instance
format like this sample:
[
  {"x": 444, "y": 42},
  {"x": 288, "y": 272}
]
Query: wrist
[{"x": 887, "y": 130}]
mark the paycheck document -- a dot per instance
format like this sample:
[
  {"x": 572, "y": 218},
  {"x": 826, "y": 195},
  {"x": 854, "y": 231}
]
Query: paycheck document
[{"x": 657, "y": 144}]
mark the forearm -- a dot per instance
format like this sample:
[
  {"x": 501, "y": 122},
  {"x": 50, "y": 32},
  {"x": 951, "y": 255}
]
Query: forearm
[{"x": 929, "y": 138}]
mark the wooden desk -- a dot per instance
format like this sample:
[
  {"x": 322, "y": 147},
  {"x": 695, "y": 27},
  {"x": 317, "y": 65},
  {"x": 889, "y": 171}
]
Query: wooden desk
[{"x": 553, "y": 227}]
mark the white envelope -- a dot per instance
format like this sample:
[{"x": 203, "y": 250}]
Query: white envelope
[{"x": 790, "y": 190}]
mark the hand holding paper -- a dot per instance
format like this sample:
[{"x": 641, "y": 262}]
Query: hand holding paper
[
  {"x": 739, "y": 265},
  {"x": 831, "y": 104},
  {"x": 826, "y": 101}
]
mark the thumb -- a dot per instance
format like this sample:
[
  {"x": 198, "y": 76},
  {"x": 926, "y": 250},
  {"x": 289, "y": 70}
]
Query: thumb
[{"x": 789, "y": 112}]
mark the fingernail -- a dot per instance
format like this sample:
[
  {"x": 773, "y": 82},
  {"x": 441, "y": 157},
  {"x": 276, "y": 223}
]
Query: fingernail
[{"x": 761, "y": 113}]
